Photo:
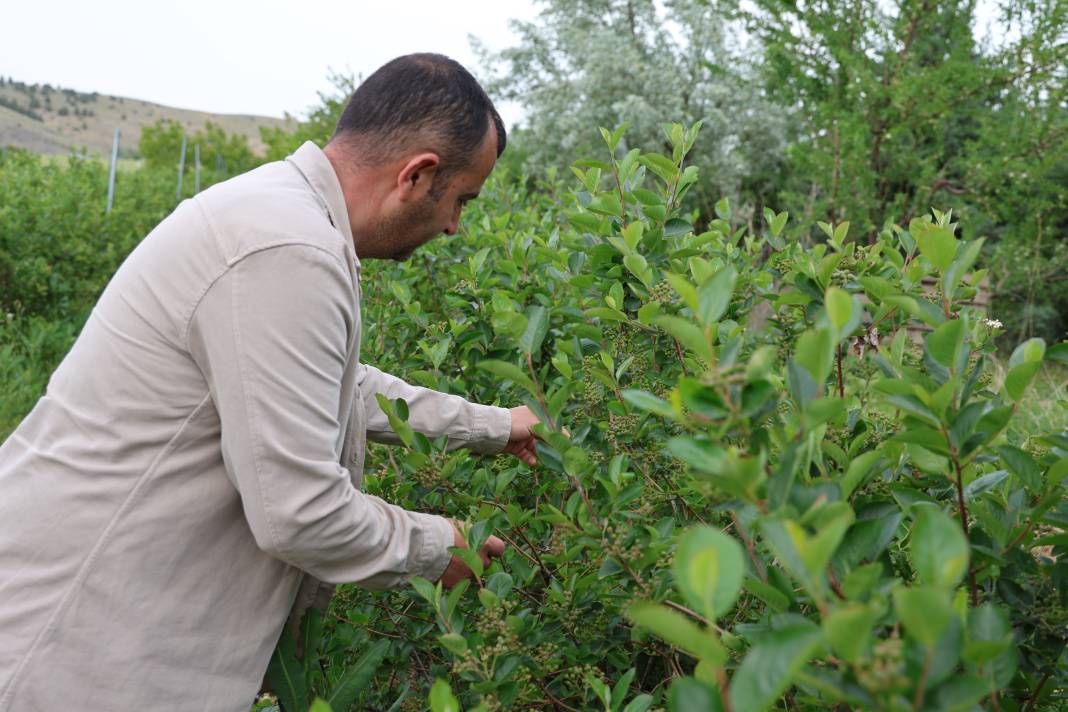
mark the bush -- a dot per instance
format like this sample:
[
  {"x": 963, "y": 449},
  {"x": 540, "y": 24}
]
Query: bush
[
  {"x": 756, "y": 487},
  {"x": 770, "y": 494}
]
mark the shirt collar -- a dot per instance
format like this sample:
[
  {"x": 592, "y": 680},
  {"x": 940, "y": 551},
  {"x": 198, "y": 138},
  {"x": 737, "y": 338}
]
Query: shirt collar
[{"x": 316, "y": 168}]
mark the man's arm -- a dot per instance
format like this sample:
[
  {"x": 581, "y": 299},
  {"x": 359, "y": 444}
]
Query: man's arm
[
  {"x": 481, "y": 428},
  {"x": 271, "y": 339}
]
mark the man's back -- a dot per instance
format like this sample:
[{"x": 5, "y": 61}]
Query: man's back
[{"x": 125, "y": 547}]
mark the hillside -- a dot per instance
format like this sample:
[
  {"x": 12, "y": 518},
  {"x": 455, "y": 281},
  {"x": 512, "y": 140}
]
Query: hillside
[{"x": 47, "y": 119}]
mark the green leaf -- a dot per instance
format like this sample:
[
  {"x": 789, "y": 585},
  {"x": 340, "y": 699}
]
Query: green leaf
[
  {"x": 441, "y": 698},
  {"x": 678, "y": 630},
  {"x": 286, "y": 675},
  {"x": 640, "y": 703},
  {"x": 989, "y": 634},
  {"x": 320, "y": 705},
  {"x": 1019, "y": 378},
  {"x": 702, "y": 399},
  {"x": 1030, "y": 351},
  {"x": 858, "y": 471},
  {"x": 1023, "y": 466},
  {"x": 938, "y": 546},
  {"x": 771, "y": 665},
  {"x": 509, "y": 372},
  {"x": 839, "y": 306},
  {"x": 862, "y": 579},
  {"x": 815, "y": 353},
  {"x": 990, "y": 648},
  {"x": 689, "y": 695},
  {"x": 356, "y": 677},
  {"x": 715, "y": 294},
  {"x": 311, "y": 632},
  {"x": 661, "y": 165},
  {"x": 946, "y": 342},
  {"x": 960, "y": 266},
  {"x": 677, "y": 228},
  {"x": 469, "y": 557},
  {"x": 709, "y": 567},
  {"x": 684, "y": 288},
  {"x": 649, "y": 403},
  {"x": 689, "y": 335},
  {"x": 699, "y": 454},
  {"x": 454, "y": 643},
  {"x": 937, "y": 244},
  {"x": 778, "y": 223},
  {"x": 806, "y": 555},
  {"x": 723, "y": 209},
  {"x": 924, "y": 611},
  {"x": 983, "y": 483},
  {"x": 840, "y": 232},
  {"x": 767, "y": 593},
  {"x": 537, "y": 327},
  {"x": 849, "y": 629}
]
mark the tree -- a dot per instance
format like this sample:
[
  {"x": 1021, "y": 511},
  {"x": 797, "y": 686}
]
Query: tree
[
  {"x": 899, "y": 108},
  {"x": 605, "y": 62}
]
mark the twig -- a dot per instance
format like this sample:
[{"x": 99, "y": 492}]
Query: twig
[
  {"x": 917, "y": 701},
  {"x": 1033, "y": 699}
]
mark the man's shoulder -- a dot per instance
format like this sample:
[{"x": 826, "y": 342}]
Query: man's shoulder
[{"x": 268, "y": 206}]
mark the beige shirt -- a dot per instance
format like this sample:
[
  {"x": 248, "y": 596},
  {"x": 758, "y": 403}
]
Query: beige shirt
[{"x": 198, "y": 450}]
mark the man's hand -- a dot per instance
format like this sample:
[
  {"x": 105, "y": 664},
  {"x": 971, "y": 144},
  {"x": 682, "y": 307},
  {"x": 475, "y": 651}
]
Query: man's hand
[
  {"x": 521, "y": 441},
  {"x": 457, "y": 570}
]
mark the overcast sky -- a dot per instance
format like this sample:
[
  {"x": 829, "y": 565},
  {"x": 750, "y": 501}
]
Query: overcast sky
[{"x": 237, "y": 56}]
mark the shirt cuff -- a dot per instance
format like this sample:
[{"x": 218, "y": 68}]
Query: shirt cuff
[
  {"x": 434, "y": 555},
  {"x": 491, "y": 429}
]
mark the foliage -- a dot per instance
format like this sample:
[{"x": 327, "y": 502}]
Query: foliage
[
  {"x": 297, "y": 678},
  {"x": 756, "y": 487},
  {"x": 320, "y": 122},
  {"x": 58, "y": 249},
  {"x": 588, "y": 63},
  {"x": 226, "y": 154},
  {"x": 770, "y": 490},
  {"x": 864, "y": 111},
  {"x": 900, "y": 106}
]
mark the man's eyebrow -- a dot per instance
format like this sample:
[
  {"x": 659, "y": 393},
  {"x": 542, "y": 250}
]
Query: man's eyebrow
[{"x": 468, "y": 196}]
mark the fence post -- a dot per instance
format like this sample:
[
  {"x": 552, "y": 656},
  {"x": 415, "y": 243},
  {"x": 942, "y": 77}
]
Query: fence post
[
  {"x": 181, "y": 171},
  {"x": 196, "y": 162},
  {"x": 111, "y": 174}
]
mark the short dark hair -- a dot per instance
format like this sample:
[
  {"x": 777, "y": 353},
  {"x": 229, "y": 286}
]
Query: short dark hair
[{"x": 426, "y": 101}]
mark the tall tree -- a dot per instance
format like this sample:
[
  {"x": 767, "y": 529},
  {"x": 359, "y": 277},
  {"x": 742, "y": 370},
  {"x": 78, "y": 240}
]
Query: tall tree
[
  {"x": 589, "y": 63},
  {"x": 898, "y": 109}
]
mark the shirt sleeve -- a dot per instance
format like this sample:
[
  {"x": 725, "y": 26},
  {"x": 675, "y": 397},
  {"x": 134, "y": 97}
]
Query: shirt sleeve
[
  {"x": 272, "y": 339},
  {"x": 480, "y": 428}
]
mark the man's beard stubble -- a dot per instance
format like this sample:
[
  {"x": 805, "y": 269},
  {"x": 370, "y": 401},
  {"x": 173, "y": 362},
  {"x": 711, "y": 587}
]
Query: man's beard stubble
[{"x": 403, "y": 232}]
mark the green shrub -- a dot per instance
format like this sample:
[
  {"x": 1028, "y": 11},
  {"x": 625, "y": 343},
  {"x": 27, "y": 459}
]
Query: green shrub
[{"x": 770, "y": 494}]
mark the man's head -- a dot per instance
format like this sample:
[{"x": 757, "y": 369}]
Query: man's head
[{"x": 415, "y": 142}]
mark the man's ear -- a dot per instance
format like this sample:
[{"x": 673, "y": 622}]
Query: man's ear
[{"x": 417, "y": 175}]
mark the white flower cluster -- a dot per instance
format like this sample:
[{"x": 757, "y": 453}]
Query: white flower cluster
[{"x": 993, "y": 323}]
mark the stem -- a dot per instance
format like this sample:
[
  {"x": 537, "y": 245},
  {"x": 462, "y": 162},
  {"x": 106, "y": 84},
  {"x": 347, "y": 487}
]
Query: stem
[
  {"x": 695, "y": 615},
  {"x": 1038, "y": 691},
  {"x": 750, "y": 548},
  {"x": 539, "y": 394},
  {"x": 721, "y": 678},
  {"x": 918, "y": 699},
  {"x": 962, "y": 509},
  {"x": 841, "y": 382}
]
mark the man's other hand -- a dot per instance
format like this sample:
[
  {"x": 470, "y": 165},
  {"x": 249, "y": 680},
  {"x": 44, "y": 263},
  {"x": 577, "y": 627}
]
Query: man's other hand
[
  {"x": 521, "y": 441},
  {"x": 457, "y": 570}
]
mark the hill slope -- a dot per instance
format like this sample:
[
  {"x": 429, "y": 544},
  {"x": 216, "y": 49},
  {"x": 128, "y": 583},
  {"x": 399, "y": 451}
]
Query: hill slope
[{"x": 47, "y": 119}]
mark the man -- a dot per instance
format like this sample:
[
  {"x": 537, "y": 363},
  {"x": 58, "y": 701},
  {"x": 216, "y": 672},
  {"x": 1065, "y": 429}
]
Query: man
[{"x": 192, "y": 472}]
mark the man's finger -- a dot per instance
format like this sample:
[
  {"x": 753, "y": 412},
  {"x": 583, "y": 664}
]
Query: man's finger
[{"x": 493, "y": 546}]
